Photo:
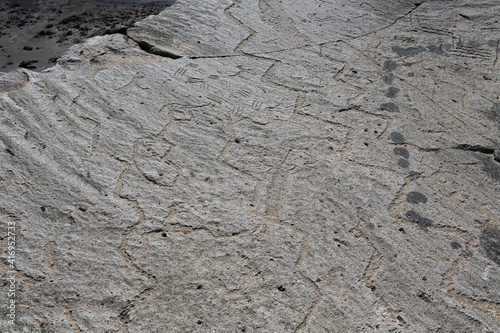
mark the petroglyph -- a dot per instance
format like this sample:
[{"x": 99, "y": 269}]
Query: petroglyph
[{"x": 300, "y": 166}]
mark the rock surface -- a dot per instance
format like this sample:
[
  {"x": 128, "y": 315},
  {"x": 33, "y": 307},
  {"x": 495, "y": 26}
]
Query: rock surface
[
  {"x": 271, "y": 166},
  {"x": 34, "y": 33}
]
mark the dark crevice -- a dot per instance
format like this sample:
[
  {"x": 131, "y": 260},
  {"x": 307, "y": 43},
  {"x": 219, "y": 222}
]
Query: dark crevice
[
  {"x": 216, "y": 56},
  {"x": 481, "y": 149},
  {"x": 478, "y": 148},
  {"x": 145, "y": 46},
  {"x": 151, "y": 49}
]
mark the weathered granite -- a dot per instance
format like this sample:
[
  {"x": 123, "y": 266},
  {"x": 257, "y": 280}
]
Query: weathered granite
[{"x": 271, "y": 166}]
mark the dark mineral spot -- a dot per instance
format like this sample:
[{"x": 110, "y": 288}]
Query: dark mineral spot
[
  {"x": 408, "y": 52},
  {"x": 415, "y": 217},
  {"x": 281, "y": 288},
  {"x": 199, "y": 287},
  {"x": 403, "y": 152},
  {"x": 391, "y": 107},
  {"x": 397, "y": 137},
  {"x": 490, "y": 242},
  {"x": 403, "y": 163},
  {"x": 388, "y": 79},
  {"x": 415, "y": 197},
  {"x": 390, "y": 65},
  {"x": 199, "y": 322},
  {"x": 392, "y": 92},
  {"x": 455, "y": 245}
]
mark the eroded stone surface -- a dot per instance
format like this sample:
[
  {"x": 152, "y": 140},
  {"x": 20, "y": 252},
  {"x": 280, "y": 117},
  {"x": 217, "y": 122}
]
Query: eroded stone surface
[{"x": 281, "y": 168}]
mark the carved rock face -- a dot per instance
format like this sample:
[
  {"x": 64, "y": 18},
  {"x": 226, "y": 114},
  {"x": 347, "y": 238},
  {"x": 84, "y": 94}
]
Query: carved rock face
[{"x": 271, "y": 167}]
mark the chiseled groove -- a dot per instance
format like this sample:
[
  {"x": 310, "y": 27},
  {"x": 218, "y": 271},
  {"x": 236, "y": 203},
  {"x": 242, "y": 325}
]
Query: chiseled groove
[
  {"x": 303, "y": 254},
  {"x": 299, "y": 104},
  {"x": 122, "y": 253},
  {"x": 371, "y": 270}
]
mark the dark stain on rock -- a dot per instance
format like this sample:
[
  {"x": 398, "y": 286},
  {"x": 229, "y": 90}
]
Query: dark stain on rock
[
  {"x": 393, "y": 91},
  {"x": 446, "y": 47},
  {"x": 493, "y": 43},
  {"x": 455, "y": 245},
  {"x": 470, "y": 44},
  {"x": 390, "y": 65},
  {"x": 415, "y": 217},
  {"x": 397, "y": 138},
  {"x": 388, "y": 79},
  {"x": 437, "y": 50},
  {"x": 415, "y": 197},
  {"x": 403, "y": 163},
  {"x": 494, "y": 112},
  {"x": 490, "y": 242},
  {"x": 408, "y": 52},
  {"x": 403, "y": 152},
  {"x": 391, "y": 107},
  {"x": 491, "y": 168}
]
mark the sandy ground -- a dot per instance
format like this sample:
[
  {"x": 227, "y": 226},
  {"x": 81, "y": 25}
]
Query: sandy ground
[{"x": 34, "y": 33}]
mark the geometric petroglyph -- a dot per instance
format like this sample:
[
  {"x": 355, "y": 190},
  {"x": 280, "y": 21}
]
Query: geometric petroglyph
[
  {"x": 151, "y": 165},
  {"x": 303, "y": 166}
]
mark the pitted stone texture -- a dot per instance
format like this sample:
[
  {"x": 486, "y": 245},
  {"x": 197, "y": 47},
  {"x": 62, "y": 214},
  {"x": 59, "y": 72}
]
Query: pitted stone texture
[{"x": 329, "y": 170}]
